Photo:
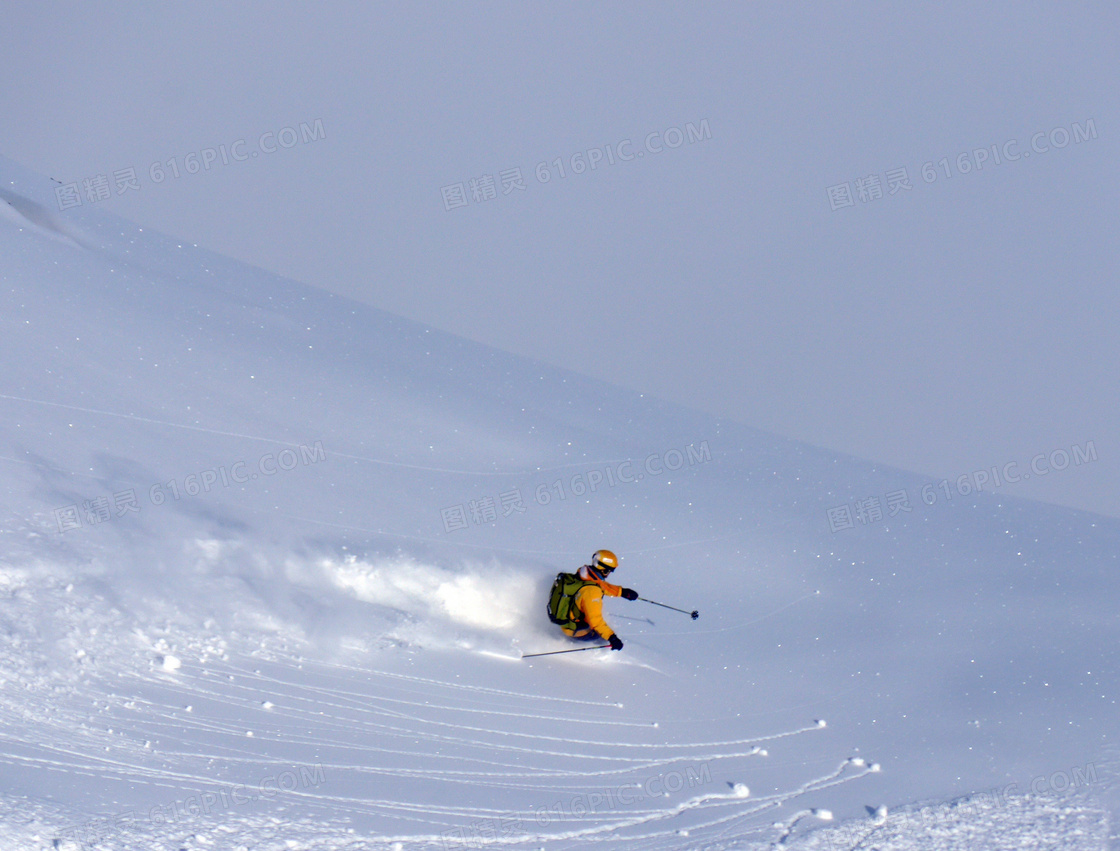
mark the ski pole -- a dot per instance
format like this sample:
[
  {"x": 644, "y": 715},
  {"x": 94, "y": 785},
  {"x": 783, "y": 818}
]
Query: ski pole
[
  {"x": 575, "y": 650},
  {"x": 695, "y": 614}
]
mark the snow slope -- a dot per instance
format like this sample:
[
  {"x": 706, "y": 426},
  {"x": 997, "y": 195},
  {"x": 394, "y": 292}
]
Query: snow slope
[{"x": 269, "y": 559}]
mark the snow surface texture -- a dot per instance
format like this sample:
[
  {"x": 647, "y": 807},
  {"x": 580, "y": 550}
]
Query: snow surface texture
[{"x": 269, "y": 561}]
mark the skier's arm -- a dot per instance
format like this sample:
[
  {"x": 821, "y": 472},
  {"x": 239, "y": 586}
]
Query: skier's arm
[
  {"x": 618, "y": 591},
  {"x": 610, "y": 590}
]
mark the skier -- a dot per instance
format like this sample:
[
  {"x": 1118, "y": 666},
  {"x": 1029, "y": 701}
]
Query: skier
[{"x": 576, "y": 602}]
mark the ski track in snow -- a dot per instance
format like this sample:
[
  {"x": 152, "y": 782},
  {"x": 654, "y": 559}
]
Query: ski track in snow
[
  {"x": 177, "y": 730},
  {"x": 403, "y": 744},
  {"x": 225, "y": 711}
]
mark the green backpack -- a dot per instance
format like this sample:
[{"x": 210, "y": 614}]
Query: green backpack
[{"x": 562, "y": 608}]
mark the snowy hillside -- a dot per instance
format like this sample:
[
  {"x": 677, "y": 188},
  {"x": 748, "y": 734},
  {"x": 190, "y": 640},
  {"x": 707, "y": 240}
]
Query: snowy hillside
[{"x": 269, "y": 560}]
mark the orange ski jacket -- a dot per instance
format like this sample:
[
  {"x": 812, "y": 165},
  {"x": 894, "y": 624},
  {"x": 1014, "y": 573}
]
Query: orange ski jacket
[{"x": 589, "y": 600}]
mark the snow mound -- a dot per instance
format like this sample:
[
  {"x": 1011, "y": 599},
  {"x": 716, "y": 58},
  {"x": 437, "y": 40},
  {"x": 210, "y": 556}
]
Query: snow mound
[{"x": 169, "y": 662}]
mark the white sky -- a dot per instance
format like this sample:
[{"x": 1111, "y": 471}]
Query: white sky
[{"x": 963, "y": 324}]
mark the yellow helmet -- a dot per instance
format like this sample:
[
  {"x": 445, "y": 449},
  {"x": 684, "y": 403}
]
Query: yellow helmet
[{"x": 603, "y": 562}]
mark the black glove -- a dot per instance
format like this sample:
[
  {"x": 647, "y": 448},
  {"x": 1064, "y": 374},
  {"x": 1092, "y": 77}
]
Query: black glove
[
  {"x": 629, "y": 593},
  {"x": 616, "y": 642}
]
